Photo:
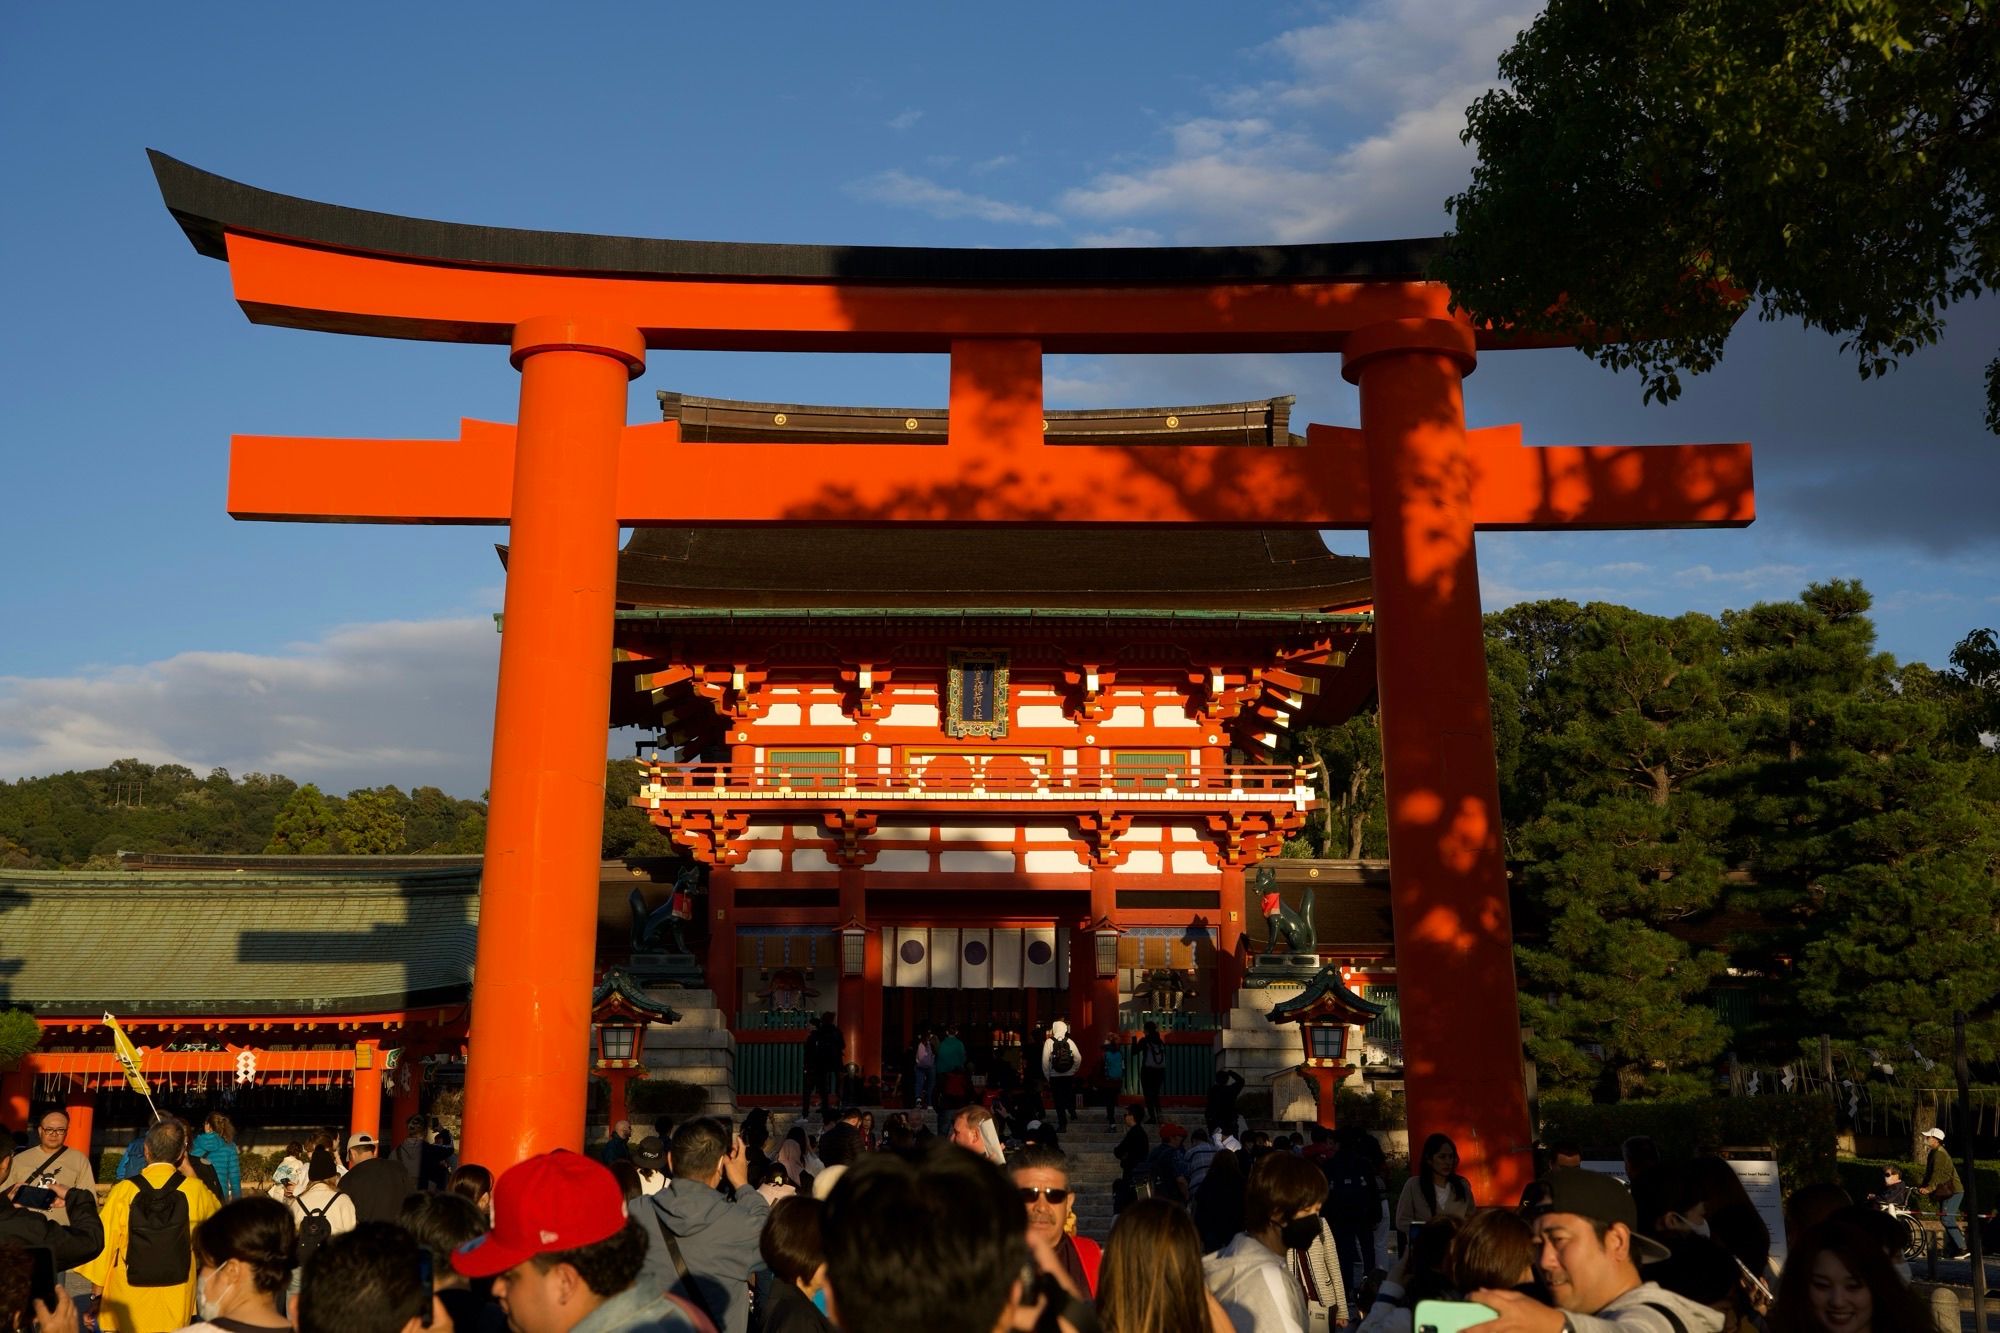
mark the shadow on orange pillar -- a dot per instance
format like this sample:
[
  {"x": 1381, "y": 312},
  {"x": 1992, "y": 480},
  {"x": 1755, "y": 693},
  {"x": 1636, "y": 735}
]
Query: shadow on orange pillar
[
  {"x": 365, "y": 1114},
  {"x": 528, "y": 1057},
  {"x": 1454, "y": 935},
  {"x": 16, "y": 1094}
]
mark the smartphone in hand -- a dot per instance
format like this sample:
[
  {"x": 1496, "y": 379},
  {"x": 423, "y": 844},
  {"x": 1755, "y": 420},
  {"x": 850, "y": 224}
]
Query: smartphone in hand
[{"x": 1449, "y": 1316}]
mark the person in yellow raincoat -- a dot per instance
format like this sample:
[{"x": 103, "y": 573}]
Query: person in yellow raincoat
[{"x": 121, "y": 1306}]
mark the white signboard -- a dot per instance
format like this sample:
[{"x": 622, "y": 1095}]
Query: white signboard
[{"x": 1760, "y": 1181}]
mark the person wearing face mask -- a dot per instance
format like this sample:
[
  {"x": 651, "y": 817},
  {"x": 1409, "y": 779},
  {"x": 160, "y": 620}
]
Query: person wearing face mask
[
  {"x": 245, "y": 1255},
  {"x": 1281, "y": 1210},
  {"x": 794, "y": 1251}
]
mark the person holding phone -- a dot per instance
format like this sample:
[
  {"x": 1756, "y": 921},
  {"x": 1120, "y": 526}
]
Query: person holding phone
[{"x": 41, "y": 1176}]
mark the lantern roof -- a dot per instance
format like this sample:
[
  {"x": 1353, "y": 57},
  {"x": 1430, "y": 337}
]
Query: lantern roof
[
  {"x": 619, "y": 995},
  {"x": 1326, "y": 999}
]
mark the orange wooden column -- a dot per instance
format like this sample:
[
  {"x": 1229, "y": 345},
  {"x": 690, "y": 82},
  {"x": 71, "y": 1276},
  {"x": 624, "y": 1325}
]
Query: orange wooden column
[
  {"x": 365, "y": 1116},
  {"x": 528, "y": 1057},
  {"x": 16, "y": 1094},
  {"x": 1454, "y": 939},
  {"x": 82, "y": 1112}
]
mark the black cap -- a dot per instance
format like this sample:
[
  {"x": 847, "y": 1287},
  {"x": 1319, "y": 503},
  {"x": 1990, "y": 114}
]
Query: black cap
[
  {"x": 650, "y": 1152},
  {"x": 1600, "y": 1198}
]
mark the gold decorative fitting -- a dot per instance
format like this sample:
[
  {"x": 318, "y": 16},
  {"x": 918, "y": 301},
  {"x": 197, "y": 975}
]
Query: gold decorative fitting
[
  {"x": 909, "y": 423},
  {"x": 1045, "y": 425},
  {"x": 1173, "y": 423},
  {"x": 778, "y": 420}
]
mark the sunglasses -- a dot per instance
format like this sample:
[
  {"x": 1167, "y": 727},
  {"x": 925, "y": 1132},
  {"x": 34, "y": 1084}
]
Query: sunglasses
[{"x": 1054, "y": 1194}]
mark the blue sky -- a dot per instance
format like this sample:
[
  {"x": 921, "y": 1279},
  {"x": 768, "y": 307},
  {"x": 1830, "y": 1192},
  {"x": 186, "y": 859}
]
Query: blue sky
[{"x": 137, "y": 618}]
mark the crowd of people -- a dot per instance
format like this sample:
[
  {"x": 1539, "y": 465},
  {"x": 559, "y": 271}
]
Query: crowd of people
[{"x": 711, "y": 1227}]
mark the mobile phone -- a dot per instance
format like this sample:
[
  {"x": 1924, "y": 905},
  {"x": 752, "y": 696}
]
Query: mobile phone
[
  {"x": 424, "y": 1280},
  {"x": 1450, "y": 1316},
  {"x": 42, "y": 1284},
  {"x": 35, "y": 1196}
]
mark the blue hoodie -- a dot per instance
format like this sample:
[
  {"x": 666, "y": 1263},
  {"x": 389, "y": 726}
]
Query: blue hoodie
[{"x": 220, "y": 1153}]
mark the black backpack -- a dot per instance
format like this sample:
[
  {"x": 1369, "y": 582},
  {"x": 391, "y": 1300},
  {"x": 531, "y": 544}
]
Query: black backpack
[
  {"x": 1062, "y": 1060},
  {"x": 160, "y": 1250},
  {"x": 313, "y": 1229},
  {"x": 1351, "y": 1191}
]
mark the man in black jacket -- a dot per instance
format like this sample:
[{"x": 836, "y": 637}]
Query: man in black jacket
[
  {"x": 824, "y": 1047},
  {"x": 377, "y": 1185},
  {"x": 79, "y": 1242}
]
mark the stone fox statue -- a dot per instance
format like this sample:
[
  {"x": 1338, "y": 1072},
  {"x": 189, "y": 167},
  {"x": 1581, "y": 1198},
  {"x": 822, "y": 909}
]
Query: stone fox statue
[
  {"x": 1294, "y": 928},
  {"x": 665, "y": 924}
]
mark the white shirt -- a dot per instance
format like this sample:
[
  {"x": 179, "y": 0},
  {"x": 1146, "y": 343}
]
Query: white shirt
[
  {"x": 320, "y": 1194},
  {"x": 1254, "y": 1288}
]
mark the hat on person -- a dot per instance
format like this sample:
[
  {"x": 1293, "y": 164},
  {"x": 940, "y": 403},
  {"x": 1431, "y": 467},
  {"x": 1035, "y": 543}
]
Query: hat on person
[
  {"x": 1934, "y": 1133},
  {"x": 360, "y": 1141},
  {"x": 558, "y": 1201},
  {"x": 1170, "y": 1130},
  {"x": 824, "y": 1182},
  {"x": 1572, "y": 1189},
  {"x": 650, "y": 1152}
]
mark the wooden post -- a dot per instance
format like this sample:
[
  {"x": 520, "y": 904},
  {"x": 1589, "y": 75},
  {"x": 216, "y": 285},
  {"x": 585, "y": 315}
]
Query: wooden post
[
  {"x": 1462, "y": 1057},
  {"x": 528, "y": 1064},
  {"x": 82, "y": 1112},
  {"x": 365, "y": 1115}
]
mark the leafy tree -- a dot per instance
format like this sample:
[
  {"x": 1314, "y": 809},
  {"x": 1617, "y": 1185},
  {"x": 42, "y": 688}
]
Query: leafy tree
[
  {"x": 1657, "y": 167},
  {"x": 1632, "y": 848},
  {"x": 19, "y": 1036},
  {"x": 1347, "y": 759},
  {"x": 371, "y": 821},
  {"x": 628, "y": 830},
  {"x": 308, "y": 825},
  {"x": 1975, "y": 672}
]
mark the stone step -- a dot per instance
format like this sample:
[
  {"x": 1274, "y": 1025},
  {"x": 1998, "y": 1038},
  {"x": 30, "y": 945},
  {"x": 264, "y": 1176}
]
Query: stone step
[{"x": 717, "y": 1039}]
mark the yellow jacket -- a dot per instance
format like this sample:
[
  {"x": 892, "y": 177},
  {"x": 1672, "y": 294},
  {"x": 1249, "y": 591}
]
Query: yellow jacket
[{"x": 129, "y": 1309}]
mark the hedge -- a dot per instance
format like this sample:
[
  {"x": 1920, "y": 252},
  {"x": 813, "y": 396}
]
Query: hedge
[{"x": 1800, "y": 1129}]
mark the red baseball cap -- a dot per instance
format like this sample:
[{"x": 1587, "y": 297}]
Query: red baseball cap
[{"x": 558, "y": 1201}]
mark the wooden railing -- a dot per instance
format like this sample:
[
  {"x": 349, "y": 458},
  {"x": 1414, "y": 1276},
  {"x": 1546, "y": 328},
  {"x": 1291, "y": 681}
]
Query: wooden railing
[{"x": 950, "y": 777}]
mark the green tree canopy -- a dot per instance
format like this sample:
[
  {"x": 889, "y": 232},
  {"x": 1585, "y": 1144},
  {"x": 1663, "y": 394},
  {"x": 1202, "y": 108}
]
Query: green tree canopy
[
  {"x": 1656, "y": 167},
  {"x": 19, "y": 1035},
  {"x": 308, "y": 825},
  {"x": 372, "y": 821}
]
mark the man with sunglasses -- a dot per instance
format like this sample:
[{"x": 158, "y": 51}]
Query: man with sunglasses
[{"x": 1041, "y": 1175}]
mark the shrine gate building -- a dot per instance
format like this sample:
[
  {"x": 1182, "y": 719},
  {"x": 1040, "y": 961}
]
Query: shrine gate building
[{"x": 987, "y": 776}]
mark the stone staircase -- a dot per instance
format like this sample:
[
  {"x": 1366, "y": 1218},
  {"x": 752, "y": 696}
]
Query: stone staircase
[{"x": 699, "y": 1049}]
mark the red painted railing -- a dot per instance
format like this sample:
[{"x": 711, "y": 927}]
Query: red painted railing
[{"x": 973, "y": 775}]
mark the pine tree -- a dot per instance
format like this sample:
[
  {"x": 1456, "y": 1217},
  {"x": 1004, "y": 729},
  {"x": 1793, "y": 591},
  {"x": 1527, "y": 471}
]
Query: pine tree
[
  {"x": 308, "y": 825},
  {"x": 1632, "y": 847}
]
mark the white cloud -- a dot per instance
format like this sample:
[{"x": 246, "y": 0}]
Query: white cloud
[
  {"x": 904, "y": 120},
  {"x": 1356, "y": 138},
  {"x": 408, "y": 702},
  {"x": 1756, "y": 576},
  {"x": 1120, "y": 236},
  {"x": 900, "y": 189}
]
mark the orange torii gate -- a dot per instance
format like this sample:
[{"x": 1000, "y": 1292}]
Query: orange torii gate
[{"x": 579, "y": 313}]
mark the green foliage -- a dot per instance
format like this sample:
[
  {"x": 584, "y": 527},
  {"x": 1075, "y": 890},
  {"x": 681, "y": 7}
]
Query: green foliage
[
  {"x": 1650, "y": 171},
  {"x": 108, "y": 1161},
  {"x": 1376, "y": 1108},
  {"x": 1632, "y": 848},
  {"x": 19, "y": 1036},
  {"x": 374, "y": 823},
  {"x": 309, "y": 825},
  {"x": 1800, "y": 1129},
  {"x": 628, "y": 830},
  {"x": 1347, "y": 764}
]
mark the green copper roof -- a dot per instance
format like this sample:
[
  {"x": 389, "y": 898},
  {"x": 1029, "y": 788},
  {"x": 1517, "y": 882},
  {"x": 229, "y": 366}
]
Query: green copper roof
[{"x": 245, "y": 942}]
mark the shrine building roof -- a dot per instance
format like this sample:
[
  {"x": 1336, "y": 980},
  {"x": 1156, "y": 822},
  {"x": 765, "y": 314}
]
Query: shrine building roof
[
  {"x": 293, "y": 941},
  {"x": 1063, "y": 568}
]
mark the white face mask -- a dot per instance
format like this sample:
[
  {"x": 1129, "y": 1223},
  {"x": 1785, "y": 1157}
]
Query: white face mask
[{"x": 205, "y": 1306}]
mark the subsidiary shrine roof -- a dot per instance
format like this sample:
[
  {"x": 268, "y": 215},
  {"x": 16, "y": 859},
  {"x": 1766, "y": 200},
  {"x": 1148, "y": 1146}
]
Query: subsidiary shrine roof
[
  {"x": 266, "y": 942},
  {"x": 903, "y": 567}
]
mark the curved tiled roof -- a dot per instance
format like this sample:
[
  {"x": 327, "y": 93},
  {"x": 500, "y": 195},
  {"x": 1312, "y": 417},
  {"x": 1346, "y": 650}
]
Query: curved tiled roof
[{"x": 263, "y": 942}]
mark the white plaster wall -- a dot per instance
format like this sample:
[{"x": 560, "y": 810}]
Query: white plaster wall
[
  {"x": 1043, "y": 833},
  {"x": 962, "y": 834},
  {"x": 1182, "y": 833},
  {"x": 896, "y": 860},
  {"x": 1141, "y": 863},
  {"x": 1053, "y": 863},
  {"x": 1193, "y": 863},
  {"x": 769, "y": 860},
  {"x": 963, "y": 862},
  {"x": 807, "y": 832},
  {"x": 780, "y": 715},
  {"x": 913, "y": 715},
  {"x": 1041, "y": 715},
  {"x": 764, "y": 830},
  {"x": 904, "y": 832},
  {"x": 829, "y": 715},
  {"x": 1172, "y": 715},
  {"x": 1125, "y": 715},
  {"x": 811, "y": 858}
]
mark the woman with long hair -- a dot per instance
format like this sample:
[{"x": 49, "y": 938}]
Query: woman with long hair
[
  {"x": 470, "y": 1180},
  {"x": 1150, "y": 1280},
  {"x": 1839, "y": 1280},
  {"x": 1435, "y": 1188},
  {"x": 245, "y": 1254}
]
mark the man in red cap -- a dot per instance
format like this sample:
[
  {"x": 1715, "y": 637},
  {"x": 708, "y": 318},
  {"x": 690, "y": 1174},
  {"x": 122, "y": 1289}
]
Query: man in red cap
[{"x": 564, "y": 1256}]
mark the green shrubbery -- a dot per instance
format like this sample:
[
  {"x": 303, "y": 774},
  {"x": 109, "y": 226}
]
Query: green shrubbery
[{"x": 1799, "y": 1129}]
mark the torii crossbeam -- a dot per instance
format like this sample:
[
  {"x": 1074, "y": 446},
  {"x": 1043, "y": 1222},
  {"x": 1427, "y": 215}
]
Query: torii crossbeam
[{"x": 580, "y": 312}]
